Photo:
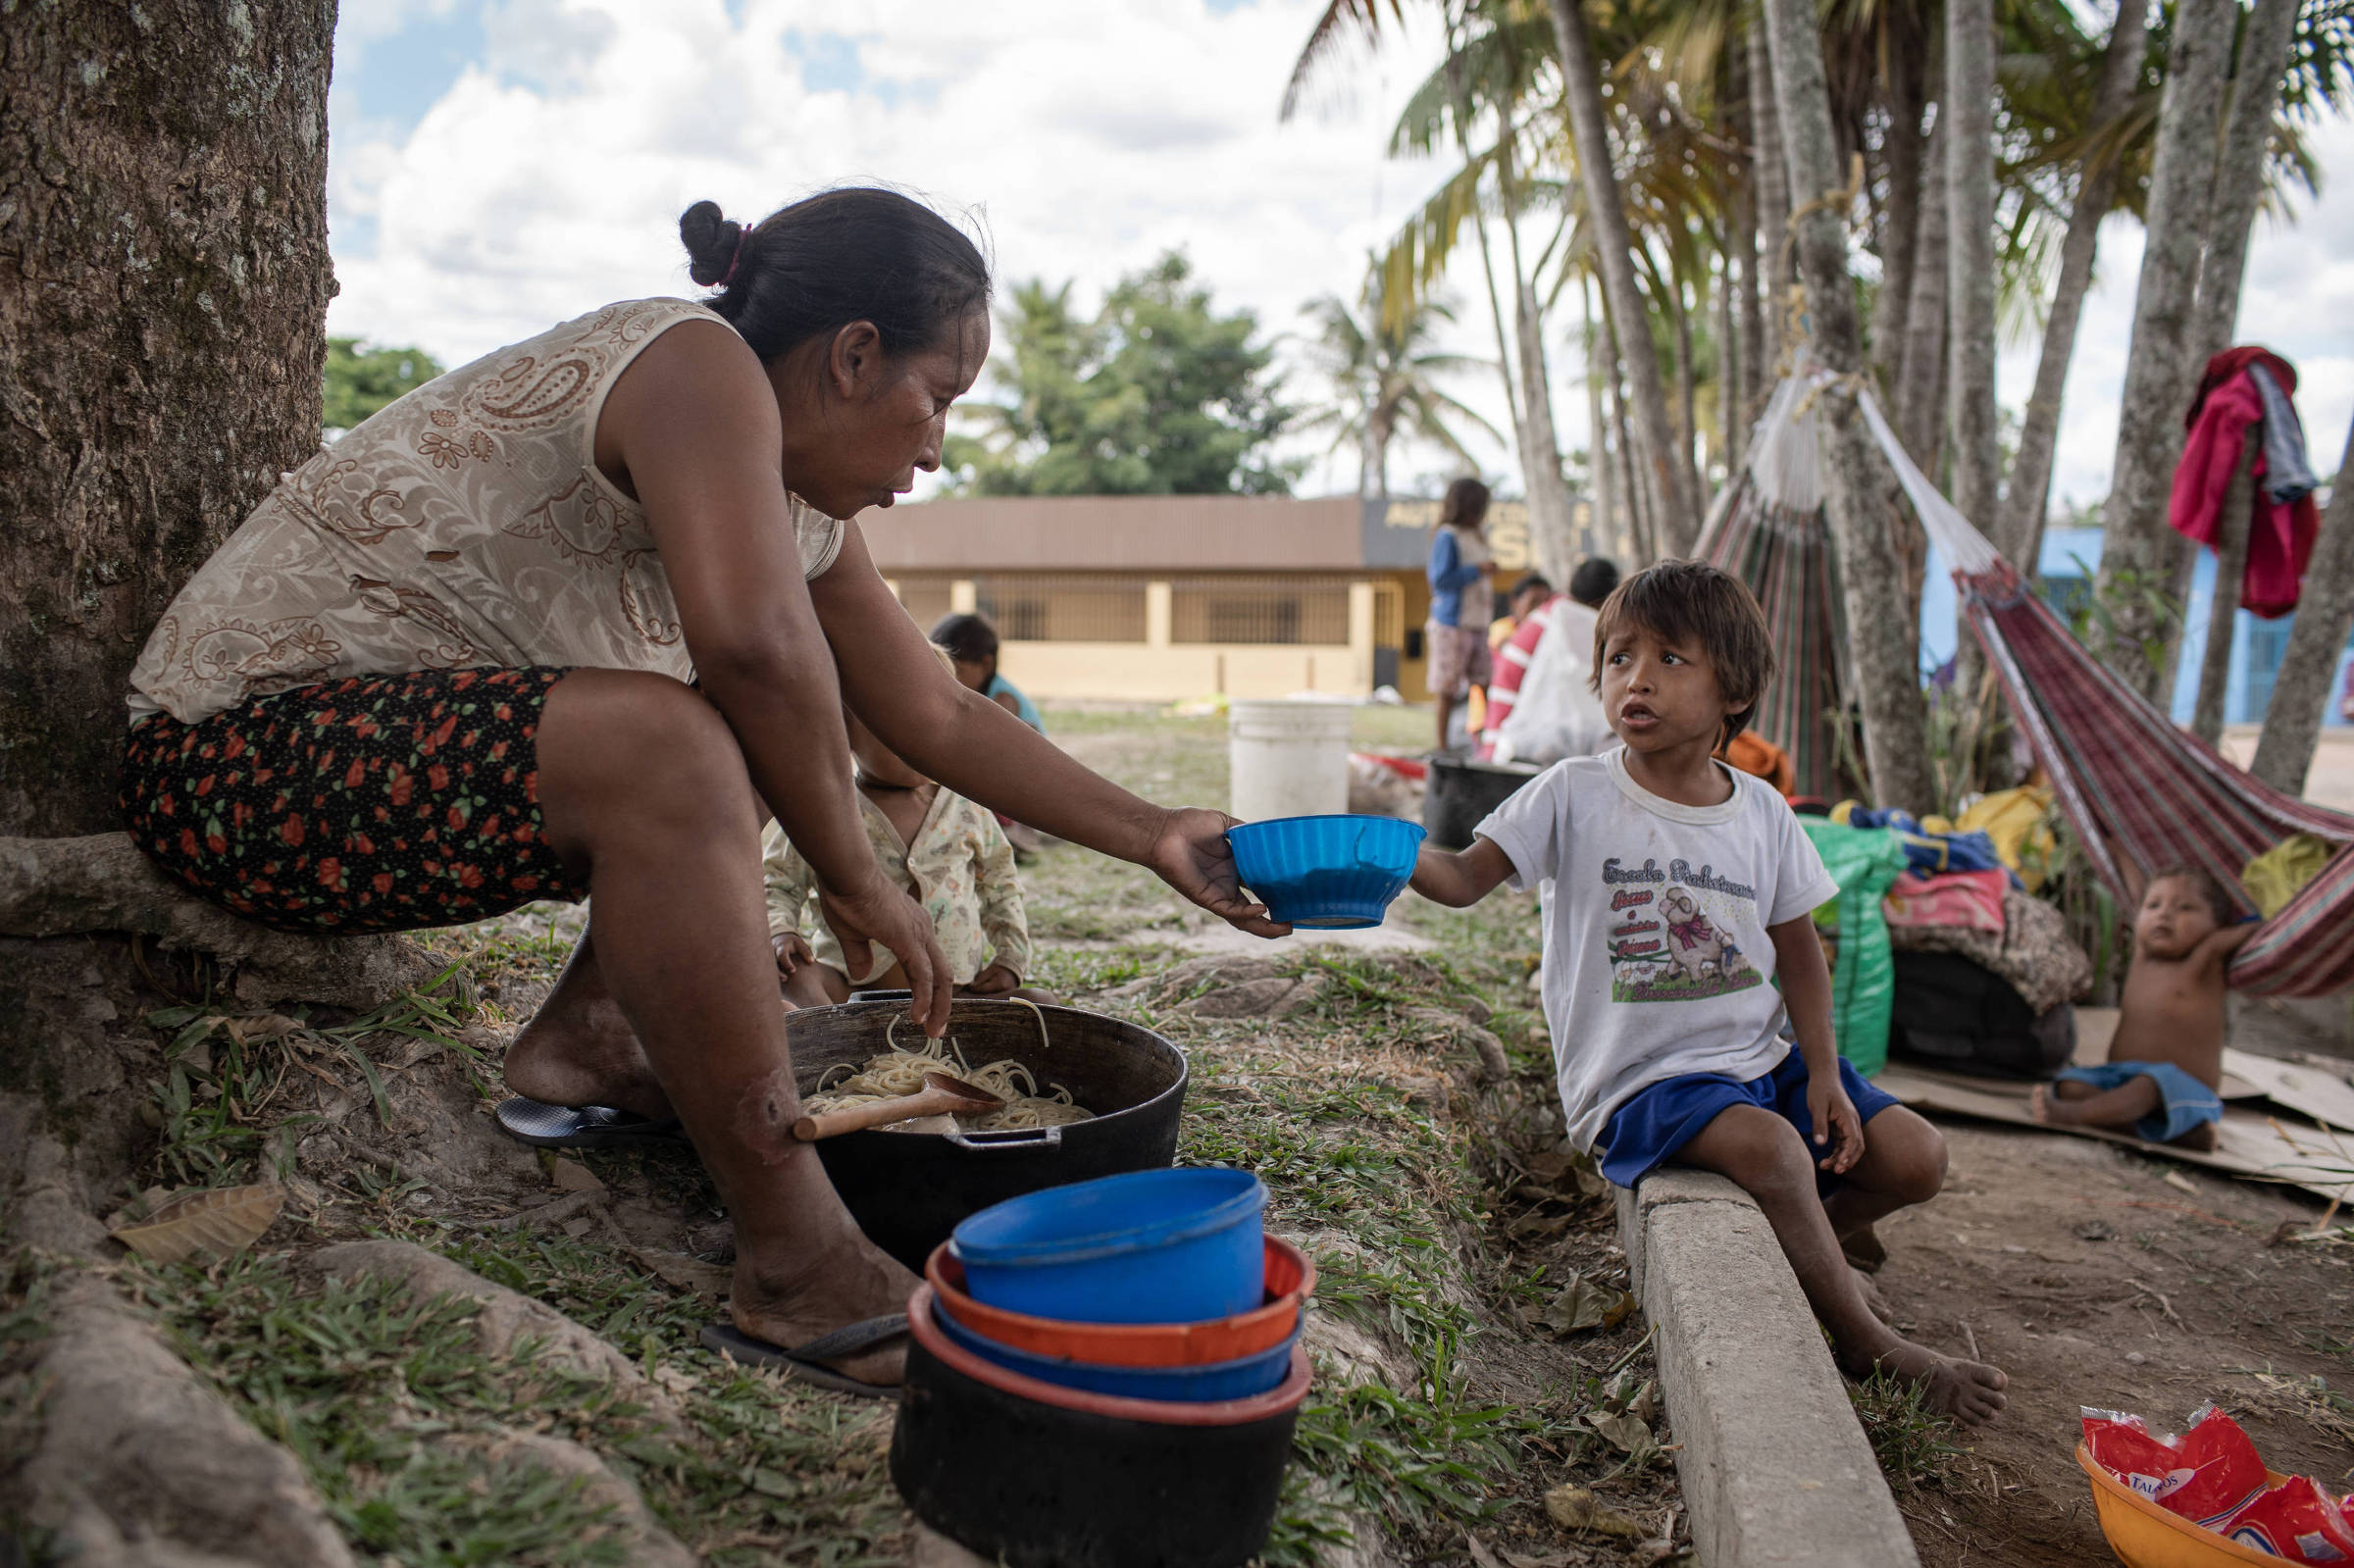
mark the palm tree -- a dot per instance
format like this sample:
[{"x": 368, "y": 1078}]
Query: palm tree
[{"x": 1385, "y": 371}]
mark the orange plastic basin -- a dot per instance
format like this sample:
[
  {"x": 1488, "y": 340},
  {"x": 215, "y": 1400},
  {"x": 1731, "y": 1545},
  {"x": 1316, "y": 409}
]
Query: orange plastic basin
[
  {"x": 2144, "y": 1535},
  {"x": 1291, "y": 1279}
]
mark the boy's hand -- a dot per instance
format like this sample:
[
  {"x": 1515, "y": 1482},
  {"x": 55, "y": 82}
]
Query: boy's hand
[
  {"x": 1837, "y": 1140},
  {"x": 995, "y": 981},
  {"x": 791, "y": 952}
]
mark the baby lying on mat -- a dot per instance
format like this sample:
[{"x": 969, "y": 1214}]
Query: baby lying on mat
[{"x": 2166, "y": 1061}]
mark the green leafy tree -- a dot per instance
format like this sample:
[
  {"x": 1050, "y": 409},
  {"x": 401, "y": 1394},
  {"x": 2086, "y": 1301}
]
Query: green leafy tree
[
  {"x": 362, "y": 378},
  {"x": 1159, "y": 394}
]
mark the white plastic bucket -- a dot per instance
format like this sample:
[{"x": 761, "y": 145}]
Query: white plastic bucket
[{"x": 1288, "y": 759}]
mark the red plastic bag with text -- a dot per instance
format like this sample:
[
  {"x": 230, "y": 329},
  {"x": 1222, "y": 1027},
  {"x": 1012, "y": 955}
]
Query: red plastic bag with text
[
  {"x": 2295, "y": 1521},
  {"x": 2208, "y": 1475}
]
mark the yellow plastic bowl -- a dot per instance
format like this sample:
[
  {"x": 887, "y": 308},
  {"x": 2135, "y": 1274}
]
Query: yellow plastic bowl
[{"x": 2145, "y": 1535}]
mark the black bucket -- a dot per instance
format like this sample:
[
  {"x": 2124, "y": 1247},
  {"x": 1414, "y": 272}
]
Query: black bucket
[
  {"x": 1037, "y": 1476},
  {"x": 1460, "y": 795},
  {"x": 908, "y": 1190}
]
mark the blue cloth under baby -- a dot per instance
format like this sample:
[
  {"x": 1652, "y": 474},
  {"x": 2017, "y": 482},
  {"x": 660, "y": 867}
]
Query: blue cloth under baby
[
  {"x": 2184, "y": 1101},
  {"x": 1644, "y": 1132}
]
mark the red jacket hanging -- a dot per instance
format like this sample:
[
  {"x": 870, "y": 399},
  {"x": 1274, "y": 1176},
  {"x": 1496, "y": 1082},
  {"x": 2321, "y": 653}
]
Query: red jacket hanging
[{"x": 2279, "y": 536}]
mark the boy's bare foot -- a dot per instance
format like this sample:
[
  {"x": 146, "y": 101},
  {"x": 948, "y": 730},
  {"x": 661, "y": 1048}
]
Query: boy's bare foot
[
  {"x": 2049, "y": 1108},
  {"x": 1864, "y": 1250},
  {"x": 2202, "y": 1138},
  {"x": 1971, "y": 1392},
  {"x": 846, "y": 1282},
  {"x": 1868, "y": 1289}
]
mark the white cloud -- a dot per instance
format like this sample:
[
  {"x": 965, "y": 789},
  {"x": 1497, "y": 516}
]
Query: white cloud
[{"x": 1084, "y": 136}]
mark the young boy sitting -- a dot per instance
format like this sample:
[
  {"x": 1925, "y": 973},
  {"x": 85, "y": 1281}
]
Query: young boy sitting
[
  {"x": 939, "y": 846},
  {"x": 2167, "y": 1059},
  {"x": 1676, "y": 891}
]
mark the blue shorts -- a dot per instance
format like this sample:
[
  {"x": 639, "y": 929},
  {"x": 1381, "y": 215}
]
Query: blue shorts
[
  {"x": 2184, "y": 1103},
  {"x": 1647, "y": 1131}
]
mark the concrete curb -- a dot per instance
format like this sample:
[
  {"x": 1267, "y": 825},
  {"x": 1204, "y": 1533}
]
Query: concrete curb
[{"x": 1775, "y": 1466}]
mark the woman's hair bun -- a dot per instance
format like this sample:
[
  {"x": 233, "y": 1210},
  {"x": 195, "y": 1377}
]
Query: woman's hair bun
[{"x": 710, "y": 240}]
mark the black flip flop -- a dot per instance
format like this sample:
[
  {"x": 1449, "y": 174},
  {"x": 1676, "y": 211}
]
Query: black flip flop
[
  {"x": 805, "y": 1362},
  {"x": 588, "y": 1126}
]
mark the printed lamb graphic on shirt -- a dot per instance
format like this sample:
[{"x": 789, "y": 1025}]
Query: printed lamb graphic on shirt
[{"x": 1665, "y": 947}]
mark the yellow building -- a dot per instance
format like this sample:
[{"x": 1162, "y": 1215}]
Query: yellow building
[{"x": 1164, "y": 597}]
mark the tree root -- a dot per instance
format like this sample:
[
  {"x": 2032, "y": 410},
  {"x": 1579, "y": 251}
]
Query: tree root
[
  {"x": 137, "y": 1463},
  {"x": 69, "y": 886}
]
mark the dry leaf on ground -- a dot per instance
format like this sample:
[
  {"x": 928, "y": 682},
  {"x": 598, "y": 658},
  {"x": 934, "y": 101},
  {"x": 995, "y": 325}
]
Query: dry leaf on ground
[
  {"x": 1584, "y": 1304},
  {"x": 211, "y": 1222},
  {"x": 1627, "y": 1434},
  {"x": 1576, "y": 1508}
]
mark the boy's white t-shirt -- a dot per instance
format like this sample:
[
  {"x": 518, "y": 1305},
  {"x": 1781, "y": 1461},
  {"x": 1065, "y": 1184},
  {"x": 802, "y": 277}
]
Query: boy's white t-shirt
[{"x": 1657, "y": 962}]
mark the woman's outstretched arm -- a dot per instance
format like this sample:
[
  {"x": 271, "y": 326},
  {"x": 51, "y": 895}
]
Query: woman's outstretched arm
[{"x": 897, "y": 685}]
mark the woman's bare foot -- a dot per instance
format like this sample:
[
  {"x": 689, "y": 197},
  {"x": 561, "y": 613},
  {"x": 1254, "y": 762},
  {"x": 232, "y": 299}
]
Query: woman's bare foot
[
  {"x": 1971, "y": 1392},
  {"x": 846, "y": 1282},
  {"x": 579, "y": 1049}
]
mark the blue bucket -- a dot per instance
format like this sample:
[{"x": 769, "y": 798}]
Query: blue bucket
[
  {"x": 1179, "y": 1246},
  {"x": 1240, "y": 1378},
  {"x": 1328, "y": 873}
]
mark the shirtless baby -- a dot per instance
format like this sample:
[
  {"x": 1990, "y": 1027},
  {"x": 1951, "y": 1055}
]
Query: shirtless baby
[{"x": 2167, "y": 1061}]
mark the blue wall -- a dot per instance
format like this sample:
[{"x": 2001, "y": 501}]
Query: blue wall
[{"x": 2069, "y": 556}]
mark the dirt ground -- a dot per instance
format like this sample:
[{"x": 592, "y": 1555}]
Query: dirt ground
[{"x": 2097, "y": 1276}]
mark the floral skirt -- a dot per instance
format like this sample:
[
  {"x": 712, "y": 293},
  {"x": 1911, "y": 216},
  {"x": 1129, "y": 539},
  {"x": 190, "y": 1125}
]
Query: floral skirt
[{"x": 373, "y": 803}]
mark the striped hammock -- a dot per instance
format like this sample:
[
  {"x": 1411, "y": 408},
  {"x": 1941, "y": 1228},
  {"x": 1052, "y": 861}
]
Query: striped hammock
[
  {"x": 1768, "y": 530},
  {"x": 2141, "y": 794}
]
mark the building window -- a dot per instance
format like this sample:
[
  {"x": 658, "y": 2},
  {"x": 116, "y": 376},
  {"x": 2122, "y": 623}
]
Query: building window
[
  {"x": 1260, "y": 610},
  {"x": 1045, "y": 607}
]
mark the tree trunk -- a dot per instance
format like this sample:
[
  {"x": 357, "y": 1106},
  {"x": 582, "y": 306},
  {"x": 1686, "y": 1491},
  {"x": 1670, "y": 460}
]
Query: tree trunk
[
  {"x": 2264, "y": 47},
  {"x": 1921, "y": 382},
  {"x": 1479, "y": 227},
  {"x": 2223, "y": 606},
  {"x": 2139, "y": 552},
  {"x": 1773, "y": 187},
  {"x": 1902, "y": 151},
  {"x": 2018, "y": 529},
  {"x": 2309, "y": 664},
  {"x": 1553, "y": 530},
  {"x": 1748, "y": 316},
  {"x": 1729, "y": 366},
  {"x": 1614, "y": 246},
  {"x": 1970, "y": 291},
  {"x": 1609, "y": 514},
  {"x": 1895, "y": 741},
  {"x": 162, "y": 327},
  {"x": 1687, "y": 397}
]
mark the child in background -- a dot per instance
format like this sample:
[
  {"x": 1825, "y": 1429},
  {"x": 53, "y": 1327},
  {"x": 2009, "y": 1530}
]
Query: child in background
[
  {"x": 971, "y": 644},
  {"x": 1676, "y": 891},
  {"x": 1461, "y": 599},
  {"x": 2165, "y": 1062},
  {"x": 944, "y": 850}
]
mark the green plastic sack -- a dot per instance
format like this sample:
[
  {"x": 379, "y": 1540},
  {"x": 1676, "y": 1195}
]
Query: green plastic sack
[{"x": 1864, "y": 862}]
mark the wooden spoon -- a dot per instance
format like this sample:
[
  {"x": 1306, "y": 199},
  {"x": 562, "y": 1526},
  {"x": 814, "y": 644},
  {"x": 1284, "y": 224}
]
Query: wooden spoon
[{"x": 941, "y": 1094}]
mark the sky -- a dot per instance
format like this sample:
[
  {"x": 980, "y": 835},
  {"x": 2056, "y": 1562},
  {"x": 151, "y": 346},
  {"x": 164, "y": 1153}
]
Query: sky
[{"x": 498, "y": 166}]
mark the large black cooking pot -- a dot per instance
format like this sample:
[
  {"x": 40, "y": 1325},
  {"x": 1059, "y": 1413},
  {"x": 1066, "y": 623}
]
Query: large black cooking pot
[{"x": 908, "y": 1190}]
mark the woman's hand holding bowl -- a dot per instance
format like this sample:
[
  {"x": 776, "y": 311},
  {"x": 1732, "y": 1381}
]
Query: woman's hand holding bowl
[{"x": 1191, "y": 855}]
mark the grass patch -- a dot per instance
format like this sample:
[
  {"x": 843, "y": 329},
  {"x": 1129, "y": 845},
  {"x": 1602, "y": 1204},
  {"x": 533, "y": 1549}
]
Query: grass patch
[
  {"x": 1910, "y": 1439},
  {"x": 388, "y": 1403}
]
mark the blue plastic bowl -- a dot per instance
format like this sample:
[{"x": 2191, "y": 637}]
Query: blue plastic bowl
[
  {"x": 1330, "y": 873},
  {"x": 1152, "y": 1246},
  {"x": 1240, "y": 1379}
]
